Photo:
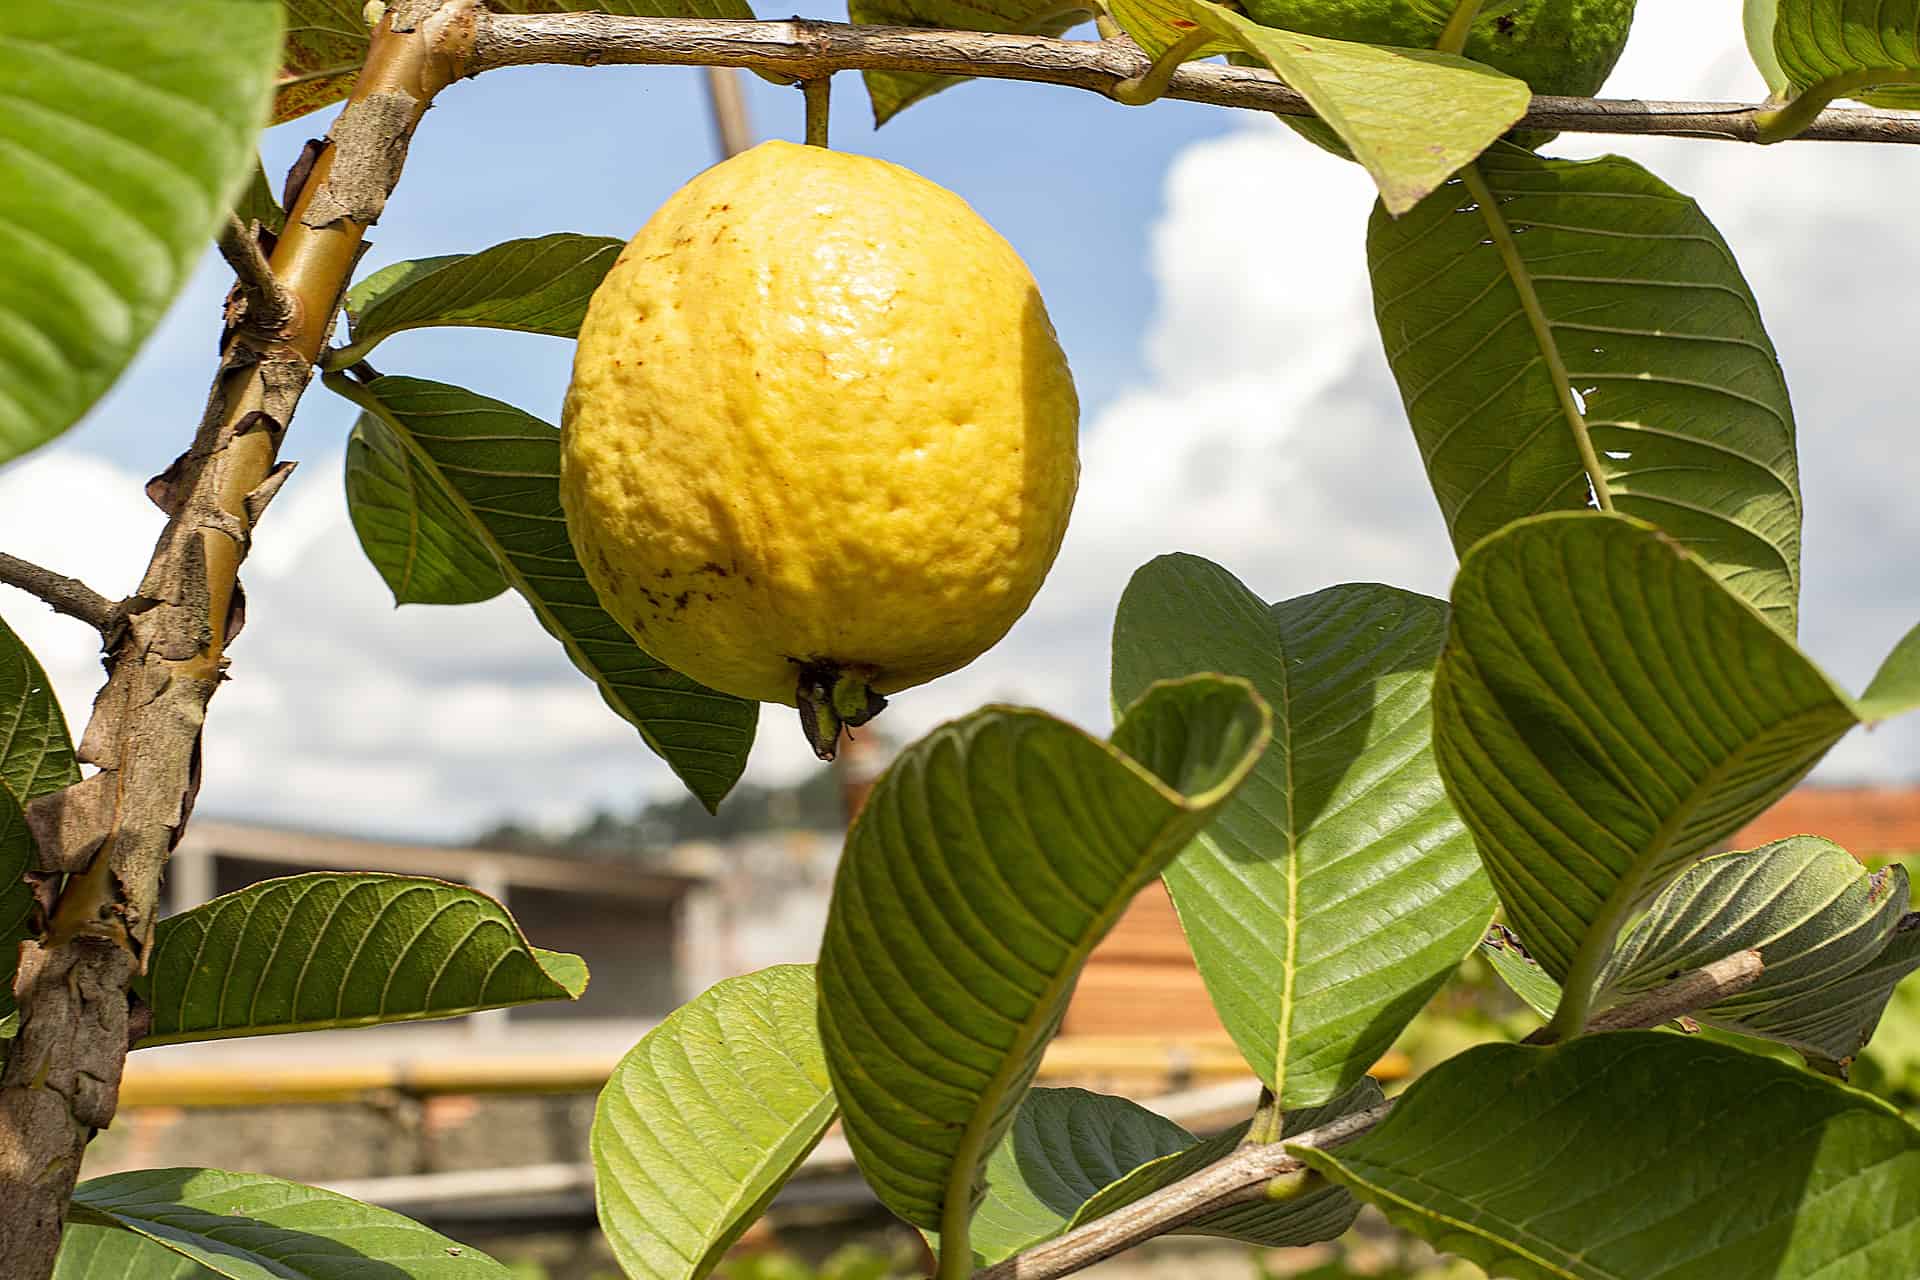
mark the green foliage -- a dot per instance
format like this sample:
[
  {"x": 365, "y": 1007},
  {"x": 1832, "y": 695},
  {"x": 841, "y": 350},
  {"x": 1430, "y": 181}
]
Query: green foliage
[
  {"x": 1072, "y": 1157},
  {"x": 1411, "y": 117},
  {"x": 1838, "y": 48},
  {"x": 1343, "y": 826},
  {"x": 128, "y": 128},
  {"x": 850, "y": 1262},
  {"x": 246, "y": 1226},
  {"x": 705, "y": 1118},
  {"x": 412, "y": 529},
  {"x": 332, "y": 949},
  {"x": 1571, "y": 327},
  {"x": 36, "y": 757},
  {"x": 1589, "y": 784},
  {"x": 990, "y": 859},
  {"x": 1646, "y": 1155},
  {"x": 538, "y": 285},
  {"x": 500, "y": 468}
]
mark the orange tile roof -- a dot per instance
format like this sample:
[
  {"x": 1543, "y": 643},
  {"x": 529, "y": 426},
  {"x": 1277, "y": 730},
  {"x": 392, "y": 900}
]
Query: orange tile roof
[{"x": 1862, "y": 820}]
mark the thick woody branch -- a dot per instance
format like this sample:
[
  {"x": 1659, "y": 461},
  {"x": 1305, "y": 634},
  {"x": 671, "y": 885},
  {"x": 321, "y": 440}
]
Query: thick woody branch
[
  {"x": 67, "y": 595},
  {"x": 1249, "y": 1173},
  {"x": 805, "y": 49},
  {"x": 103, "y": 842}
]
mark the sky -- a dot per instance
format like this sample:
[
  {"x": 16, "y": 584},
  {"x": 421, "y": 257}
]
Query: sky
[{"x": 1206, "y": 271}]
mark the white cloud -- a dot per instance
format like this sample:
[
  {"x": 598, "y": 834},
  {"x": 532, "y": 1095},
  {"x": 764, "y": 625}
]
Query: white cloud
[{"x": 1265, "y": 433}]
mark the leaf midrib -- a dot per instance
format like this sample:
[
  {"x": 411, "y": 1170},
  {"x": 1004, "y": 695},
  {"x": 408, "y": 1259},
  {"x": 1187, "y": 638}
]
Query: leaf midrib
[
  {"x": 1521, "y": 277},
  {"x": 956, "y": 1211}
]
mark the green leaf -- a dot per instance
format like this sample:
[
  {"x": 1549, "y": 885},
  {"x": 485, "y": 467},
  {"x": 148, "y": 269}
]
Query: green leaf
[
  {"x": 128, "y": 128},
  {"x": 414, "y": 532},
  {"x": 327, "y": 40},
  {"x": 1605, "y": 712},
  {"x": 16, "y": 898},
  {"x": 894, "y": 91},
  {"x": 1542, "y": 309},
  {"x": 1639, "y": 1154},
  {"x": 991, "y": 858},
  {"x": 1863, "y": 49},
  {"x": 257, "y": 202},
  {"x": 36, "y": 757},
  {"x": 92, "y": 1252},
  {"x": 1816, "y": 916},
  {"x": 502, "y": 468},
  {"x": 341, "y": 949},
  {"x": 1072, "y": 1156},
  {"x": 36, "y": 754},
  {"x": 706, "y": 1118},
  {"x": 1520, "y": 971},
  {"x": 538, "y": 285},
  {"x": 1343, "y": 830},
  {"x": 247, "y": 1226},
  {"x": 1895, "y": 687},
  {"x": 1410, "y": 116}
]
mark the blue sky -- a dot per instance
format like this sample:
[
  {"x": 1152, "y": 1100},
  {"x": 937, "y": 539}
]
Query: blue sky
[{"x": 1205, "y": 271}]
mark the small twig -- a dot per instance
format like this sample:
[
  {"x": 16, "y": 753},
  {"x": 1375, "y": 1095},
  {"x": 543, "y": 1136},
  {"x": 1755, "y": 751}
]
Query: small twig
[
  {"x": 1245, "y": 1175},
  {"x": 1239, "y": 1179},
  {"x": 803, "y": 49},
  {"x": 67, "y": 595},
  {"x": 270, "y": 304},
  {"x": 1693, "y": 990}
]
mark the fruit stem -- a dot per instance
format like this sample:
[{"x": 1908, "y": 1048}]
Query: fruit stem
[
  {"x": 819, "y": 91},
  {"x": 1453, "y": 39}
]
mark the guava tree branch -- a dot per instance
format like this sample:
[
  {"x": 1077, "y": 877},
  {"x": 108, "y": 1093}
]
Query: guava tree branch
[
  {"x": 102, "y": 843},
  {"x": 806, "y": 49},
  {"x": 67, "y": 595},
  {"x": 1246, "y": 1175}
]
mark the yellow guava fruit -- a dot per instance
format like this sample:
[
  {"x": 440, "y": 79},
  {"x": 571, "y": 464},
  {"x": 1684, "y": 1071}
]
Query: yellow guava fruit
[{"x": 820, "y": 443}]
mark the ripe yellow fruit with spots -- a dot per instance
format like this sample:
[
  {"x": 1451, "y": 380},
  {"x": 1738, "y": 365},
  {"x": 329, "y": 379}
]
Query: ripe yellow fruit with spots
[{"x": 820, "y": 443}]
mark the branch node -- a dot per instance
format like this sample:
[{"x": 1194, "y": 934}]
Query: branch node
[{"x": 271, "y": 308}]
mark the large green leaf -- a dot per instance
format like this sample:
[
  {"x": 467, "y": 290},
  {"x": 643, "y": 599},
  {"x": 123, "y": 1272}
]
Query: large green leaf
[
  {"x": 1834, "y": 938},
  {"x": 36, "y": 754},
  {"x": 1816, "y": 916},
  {"x": 1863, "y": 49},
  {"x": 36, "y": 757},
  {"x": 1410, "y": 116},
  {"x": 539, "y": 285},
  {"x": 128, "y": 128},
  {"x": 1542, "y": 312},
  {"x": 341, "y": 949},
  {"x": 327, "y": 40},
  {"x": 502, "y": 468},
  {"x": 1643, "y": 1155},
  {"x": 706, "y": 1118},
  {"x": 992, "y": 857},
  {"x": 413, "y": 530},
  {"x": 894, "y": 91},
  {"x": 1604, "y": 713},
  {"x": 16, "y": 898},
  {"x": 1072, "y": 1156},
  {"x": 247, "y": 1226},
  {"x": 1342, "y": 831},
  {"x": 89, "y": 1251}
]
